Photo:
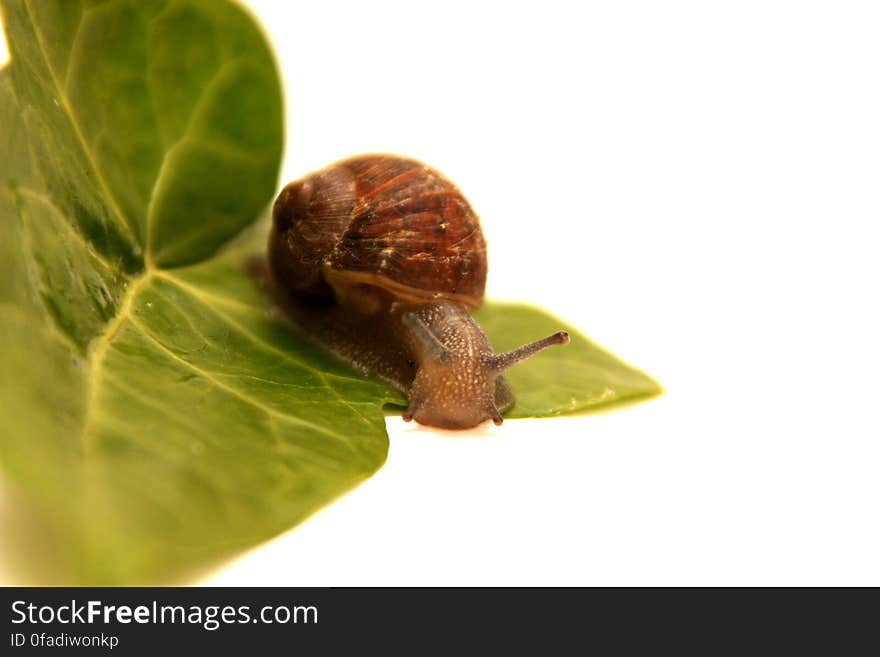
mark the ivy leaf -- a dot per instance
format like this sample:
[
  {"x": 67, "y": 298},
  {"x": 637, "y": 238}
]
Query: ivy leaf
[{"x": 156, "y": 415}]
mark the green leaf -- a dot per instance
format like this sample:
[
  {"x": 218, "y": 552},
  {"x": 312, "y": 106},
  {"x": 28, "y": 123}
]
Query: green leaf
[{"x": 157, "y": 416}]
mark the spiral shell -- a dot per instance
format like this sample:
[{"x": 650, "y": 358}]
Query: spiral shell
[{"x": 383, "y": 221}]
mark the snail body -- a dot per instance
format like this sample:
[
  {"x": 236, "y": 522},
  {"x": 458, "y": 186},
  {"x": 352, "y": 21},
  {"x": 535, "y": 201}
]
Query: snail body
[{"x": 381, "y": 259}]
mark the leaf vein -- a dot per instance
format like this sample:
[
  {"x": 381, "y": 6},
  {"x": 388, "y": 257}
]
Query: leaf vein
[
  {"x": 98, "y": 352},
  {"x": 77, "y": 130},
  {"x": 32, "y": 193},
  {"x": 167, "y": 158},
  {"x": 268, "y": 346},
  {"x": 232, "y": 390}
]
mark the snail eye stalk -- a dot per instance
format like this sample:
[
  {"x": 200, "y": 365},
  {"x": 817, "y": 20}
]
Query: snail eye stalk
[{"x": 507, "y": 359}]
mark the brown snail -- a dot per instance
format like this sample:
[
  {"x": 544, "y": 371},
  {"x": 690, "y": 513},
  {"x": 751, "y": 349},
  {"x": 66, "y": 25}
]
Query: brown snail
[{"x": 383, "y": 259}]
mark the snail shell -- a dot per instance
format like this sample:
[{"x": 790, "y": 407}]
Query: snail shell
[{"x": 382, "y": 221}]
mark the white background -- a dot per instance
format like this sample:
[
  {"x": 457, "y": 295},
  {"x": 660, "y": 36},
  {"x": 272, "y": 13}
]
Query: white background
[{"x": 695, "y": 186}]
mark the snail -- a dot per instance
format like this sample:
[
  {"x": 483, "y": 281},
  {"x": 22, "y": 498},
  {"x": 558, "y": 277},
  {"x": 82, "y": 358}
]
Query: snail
[{"x": 381, "y": 259}]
